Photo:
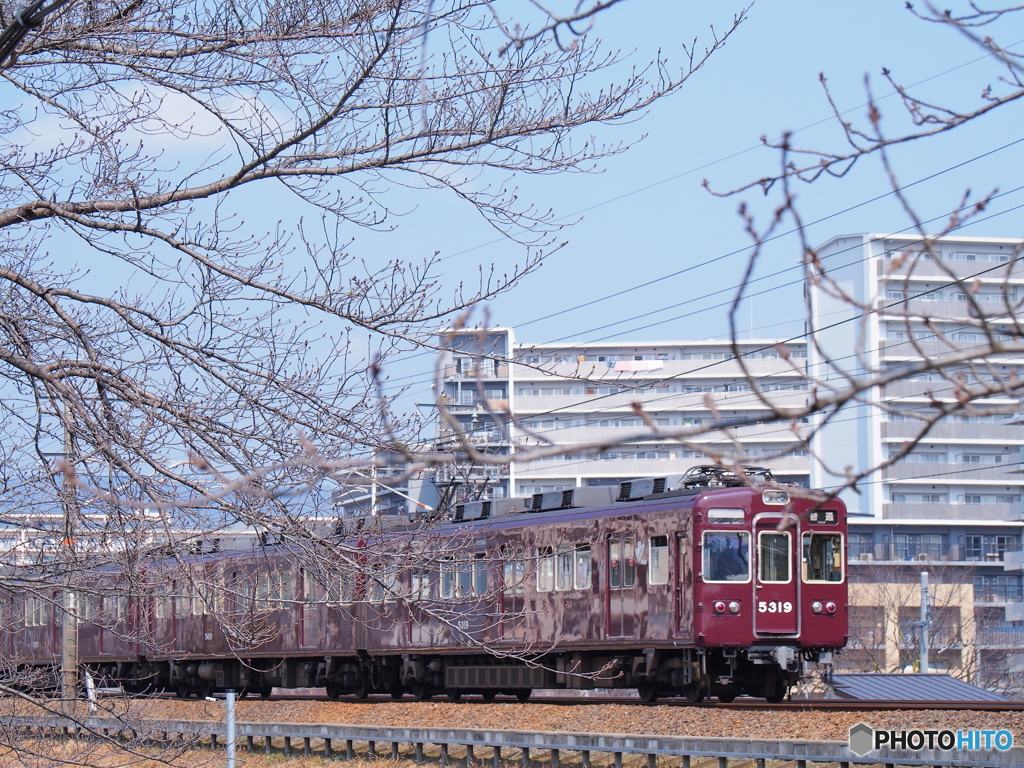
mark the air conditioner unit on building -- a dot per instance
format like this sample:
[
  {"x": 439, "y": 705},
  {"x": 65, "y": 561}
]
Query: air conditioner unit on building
[
  {"x": 923, "y": 556},
  {"x": 866, "y": 557}
]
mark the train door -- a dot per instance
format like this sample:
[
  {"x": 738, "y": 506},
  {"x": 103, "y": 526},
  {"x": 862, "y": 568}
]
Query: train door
[
  {"x": 684, "y": 587},
  {"x": 513, "y": 591},
  {"x": 620, "y": 599},
  {"x": 308, "y": 610},
  {"x": 775, "y": 584}
]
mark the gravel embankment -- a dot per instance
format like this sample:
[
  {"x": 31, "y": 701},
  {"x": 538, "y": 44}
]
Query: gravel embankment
[{"x": 589, "y": 718}]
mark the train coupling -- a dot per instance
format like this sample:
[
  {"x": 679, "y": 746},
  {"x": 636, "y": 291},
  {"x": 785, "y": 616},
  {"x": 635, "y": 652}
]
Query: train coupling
[{"x": 785, "y": 656}]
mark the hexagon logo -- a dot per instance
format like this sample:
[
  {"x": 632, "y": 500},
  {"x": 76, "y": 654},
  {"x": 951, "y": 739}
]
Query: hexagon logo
[{"x": 862, "y": 739}]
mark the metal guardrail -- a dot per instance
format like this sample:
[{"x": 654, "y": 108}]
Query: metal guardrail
[{"x": 802, "y": 753}]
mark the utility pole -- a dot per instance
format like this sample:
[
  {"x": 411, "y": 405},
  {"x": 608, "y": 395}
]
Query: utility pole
[
  {"x": 924, "y": 625},
  {"x": 69, "y": 607}
]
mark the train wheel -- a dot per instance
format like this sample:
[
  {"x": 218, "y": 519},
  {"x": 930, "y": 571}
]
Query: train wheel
[
  {"x": 727, "y": 697},
  {"x": 183, "y": 691},
  {"x": 397, "y": 694},
  {"x": 362, "y": 689},
  {"x": 333, "y": 691},
  {"x": 488, "y": 695},
  {"x": 420, "y": 692},
  {"x": 265, "y": 692},
  {"x": 693, "y": 693},
  {"x": 523, "y": 694},
  {"x": 453, "y": 694},
  {"x": 777, "y": 695},
  {"x": 648, "y": 693}
]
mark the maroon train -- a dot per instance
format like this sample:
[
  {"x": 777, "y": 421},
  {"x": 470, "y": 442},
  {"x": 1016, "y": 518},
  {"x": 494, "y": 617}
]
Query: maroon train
[{"x": 691, "y": 586}]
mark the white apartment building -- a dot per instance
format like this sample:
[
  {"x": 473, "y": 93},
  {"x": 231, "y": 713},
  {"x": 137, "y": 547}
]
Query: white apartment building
[
  {"x": 954, "y": 503},
  {"x": 584, "y": 397}
]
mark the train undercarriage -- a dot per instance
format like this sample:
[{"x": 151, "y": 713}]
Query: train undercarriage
[{"x": 690, "y": 674}]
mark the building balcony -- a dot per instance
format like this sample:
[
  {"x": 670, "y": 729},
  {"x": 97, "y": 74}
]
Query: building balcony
[
  {"x": 485, "y": 370},
  {"x": 655, "y": 400},
  {"x": 927, "y": 269},
  {"x": 924, "y": 472},
  {"x": 916, "y": 552},
  {"x": 959, "y": 512},
  {"x": 593, "y": 467},
  {"x": 1000, "y": 637},
  {"x": 696, "y": 369},
  {"x": 942, "y": 390},
  {"x": 988, "y": 432}
]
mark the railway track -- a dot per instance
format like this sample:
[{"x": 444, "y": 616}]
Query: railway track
[{"x": 794, "y": 705}]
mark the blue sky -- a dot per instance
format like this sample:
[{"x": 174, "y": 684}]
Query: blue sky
[{"x": 647, "y": 216}]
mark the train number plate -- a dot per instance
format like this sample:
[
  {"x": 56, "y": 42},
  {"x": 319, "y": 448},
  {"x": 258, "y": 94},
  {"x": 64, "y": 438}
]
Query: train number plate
[{"x": 774, "y": 606}]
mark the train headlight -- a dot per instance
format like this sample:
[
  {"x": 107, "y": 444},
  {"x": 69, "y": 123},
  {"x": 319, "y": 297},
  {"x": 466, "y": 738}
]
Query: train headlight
[
  {"x": 817, "y": 607},
  {"x": 775, "y": 496},
  {"x": 719, "y": 607},
  {"x": 830, "y": 607},
  {"x": 734, "y": 606}
]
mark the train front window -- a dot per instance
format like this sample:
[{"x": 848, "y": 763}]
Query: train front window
[
  {"x": 823, "y": 556},
  {"x": 726, "y": 556},
  {"x": 773, "y": 557}
]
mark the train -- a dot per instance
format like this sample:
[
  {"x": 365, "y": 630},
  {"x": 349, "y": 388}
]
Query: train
[{"x": 714, "y": 583}]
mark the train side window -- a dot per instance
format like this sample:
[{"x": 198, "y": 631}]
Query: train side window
[
  {"x": 726, "y": 556},
  {"x": 420, "y": 586},
  {"x": 564, "y": 568},
  {"x": 447, "y": 579},
  {"x": 545, "y": 569},
  {"x": 513, "y": 574},
  {"x": 472, "y": 576},
  {"x": 823, "y": 556},
  {"x": 773, "y": 556},
  {"x": 35, "y": 612},
  {"x": 581, "y": 577},
  {"x": 657, "y": 572}
]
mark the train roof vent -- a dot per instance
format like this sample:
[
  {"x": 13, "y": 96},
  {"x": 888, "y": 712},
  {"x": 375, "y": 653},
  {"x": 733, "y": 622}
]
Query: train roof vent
[
  {"x": 485, "y": 509},
  {"x": 649, "y": 486},
  {"x": 571, "y": 498}
]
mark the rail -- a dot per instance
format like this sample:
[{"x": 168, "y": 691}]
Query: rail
[{"x": 801, "y": 753}]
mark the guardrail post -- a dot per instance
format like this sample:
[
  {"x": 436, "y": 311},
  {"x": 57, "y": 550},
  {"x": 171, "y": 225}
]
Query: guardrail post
[
  {"x": 617, "y": 760},
  {"x": 287, "y": 745},
  {"x": 213, "y": 741},
  {"x": 585, "y": 758},
  {"x": 554, "y": 758},
  {"x": 444, "y": 755},
  {"x": 723, "y": 762},
  {"x": 267, "y": 745},
  {"x": 372, "y": 749},
  {"x": 349, "y": 751},
  {"x": 469, "y": 756},
  {"x": 394, "y": 750},
  {"x": 249, "y": 745},
  {"x": 305, "y": 745},
  {"x": 419, "y": 753},
  {"x": 496, "y": 757},
  {"x": 652, "y": 761},
  {"x": 526, "y": 757},
  {"x": 760, "y": 763},
  {"x": 327, "y": 748}
]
